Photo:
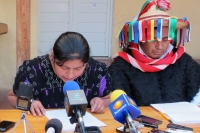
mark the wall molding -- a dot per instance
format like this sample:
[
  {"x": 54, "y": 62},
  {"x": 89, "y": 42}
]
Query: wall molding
[{"x": 22, "y": 31}]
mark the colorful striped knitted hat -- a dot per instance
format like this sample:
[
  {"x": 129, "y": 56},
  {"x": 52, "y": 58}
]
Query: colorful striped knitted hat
[{"x": 153, "y": 14}]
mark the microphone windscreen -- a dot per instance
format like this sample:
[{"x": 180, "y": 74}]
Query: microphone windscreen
[
  {"x": 115, "y": 94},
  {"x": 55, "y": 123},
  {"x": 70, "y": 85}
]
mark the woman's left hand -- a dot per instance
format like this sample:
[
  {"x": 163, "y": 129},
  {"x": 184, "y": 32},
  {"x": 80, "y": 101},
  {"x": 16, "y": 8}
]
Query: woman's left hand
[
  {"x": 36, "y": 109},
  {"x": 97, "y": 105}
]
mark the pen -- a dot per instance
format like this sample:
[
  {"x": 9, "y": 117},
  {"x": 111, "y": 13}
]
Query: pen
[{"x": 166, "y": 117}]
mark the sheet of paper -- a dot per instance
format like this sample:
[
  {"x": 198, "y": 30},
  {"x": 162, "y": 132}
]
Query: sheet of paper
[
  {"x": 61, "y": 114},
  {"x": 180, "y": 112}
]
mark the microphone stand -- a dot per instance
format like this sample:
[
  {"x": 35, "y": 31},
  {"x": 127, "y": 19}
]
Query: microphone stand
[
  {"x": 23, "y": 117},
  {"x": 129, "y": 126},
  {"x": 77, "y": 117}
]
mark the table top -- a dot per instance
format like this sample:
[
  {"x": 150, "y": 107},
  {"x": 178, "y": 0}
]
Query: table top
[{"x": 38, "y": 123}]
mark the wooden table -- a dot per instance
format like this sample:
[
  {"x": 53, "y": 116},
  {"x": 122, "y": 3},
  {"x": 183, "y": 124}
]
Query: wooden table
[{"x": 38, "y": 123}]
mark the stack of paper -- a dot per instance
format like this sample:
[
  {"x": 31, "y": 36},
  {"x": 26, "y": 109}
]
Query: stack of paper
[
  {"x": 89, "y": 120},
  {"x": 180, "y": 112}
]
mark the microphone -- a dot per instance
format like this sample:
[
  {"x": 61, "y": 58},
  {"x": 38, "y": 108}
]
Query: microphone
[
  {"x": 24, "y": 96},
  {"x": 70, "y": 85},
  {"x": 124, "y": 109},
  {"x": 75, "y": 103},
  {"x": 53, "y": 126}
]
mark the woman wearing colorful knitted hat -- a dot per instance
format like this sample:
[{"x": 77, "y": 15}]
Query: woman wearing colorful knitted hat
[{"x": 154, "y": 67}]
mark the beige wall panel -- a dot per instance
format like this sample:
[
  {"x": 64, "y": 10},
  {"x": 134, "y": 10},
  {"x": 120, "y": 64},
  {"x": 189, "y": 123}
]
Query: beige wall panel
[
  {"x": 34, "y": 28},
  {"x": 8, "y": 44}
]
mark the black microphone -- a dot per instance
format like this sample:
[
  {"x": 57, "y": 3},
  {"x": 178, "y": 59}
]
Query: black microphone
[
  {"x": 53, "y": 126},
  {"x": 75, "y": 104},
  {"x": 24, "y": 96}
]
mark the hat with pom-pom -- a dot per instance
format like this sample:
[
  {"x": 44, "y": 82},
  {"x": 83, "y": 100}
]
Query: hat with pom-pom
[{"x": 153, "y": 14}]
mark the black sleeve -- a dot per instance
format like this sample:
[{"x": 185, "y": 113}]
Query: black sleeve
[
  {"x": 21, "y": 76},
  {"x": 27, "y": 72},
  {"x": 95, "y": 81},
  {"x": 118, "y": 70},
  {"x": 105, "y": 81},
  {"x": 192, "y": 79}
]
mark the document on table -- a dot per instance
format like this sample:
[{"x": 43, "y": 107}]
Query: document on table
[
  {"x": 61, "y": 114},
  {"x": 180, "y": 112}
]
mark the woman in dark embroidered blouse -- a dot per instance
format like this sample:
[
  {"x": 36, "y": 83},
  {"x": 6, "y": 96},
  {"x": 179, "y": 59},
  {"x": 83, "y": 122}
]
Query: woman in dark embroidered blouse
[{"x": 69, "y": 60}]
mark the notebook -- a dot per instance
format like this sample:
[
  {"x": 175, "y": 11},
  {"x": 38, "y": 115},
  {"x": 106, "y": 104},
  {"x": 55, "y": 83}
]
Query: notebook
[{"x": 180, "y": 112}]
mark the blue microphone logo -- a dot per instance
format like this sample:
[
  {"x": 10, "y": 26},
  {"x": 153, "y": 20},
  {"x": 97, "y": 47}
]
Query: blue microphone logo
[
  {"x": 132, "y": 102},
  {"x": 76, "y": 95}
]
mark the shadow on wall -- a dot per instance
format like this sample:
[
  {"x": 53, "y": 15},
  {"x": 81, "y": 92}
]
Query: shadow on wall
[{"x": 4, "y": 103}]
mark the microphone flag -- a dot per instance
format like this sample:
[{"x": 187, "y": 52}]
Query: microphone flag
[
  {"x": 74, "y": 98},
  {"x": 122, "y": 106}
]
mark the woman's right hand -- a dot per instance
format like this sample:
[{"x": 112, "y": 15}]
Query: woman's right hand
[{"x": 36, "y": 108}]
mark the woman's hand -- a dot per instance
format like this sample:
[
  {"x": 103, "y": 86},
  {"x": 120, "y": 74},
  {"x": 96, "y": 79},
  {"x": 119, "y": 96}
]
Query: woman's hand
[
  {"x": 37, "y": 108},
  {"x": 97, "y": 105}
]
